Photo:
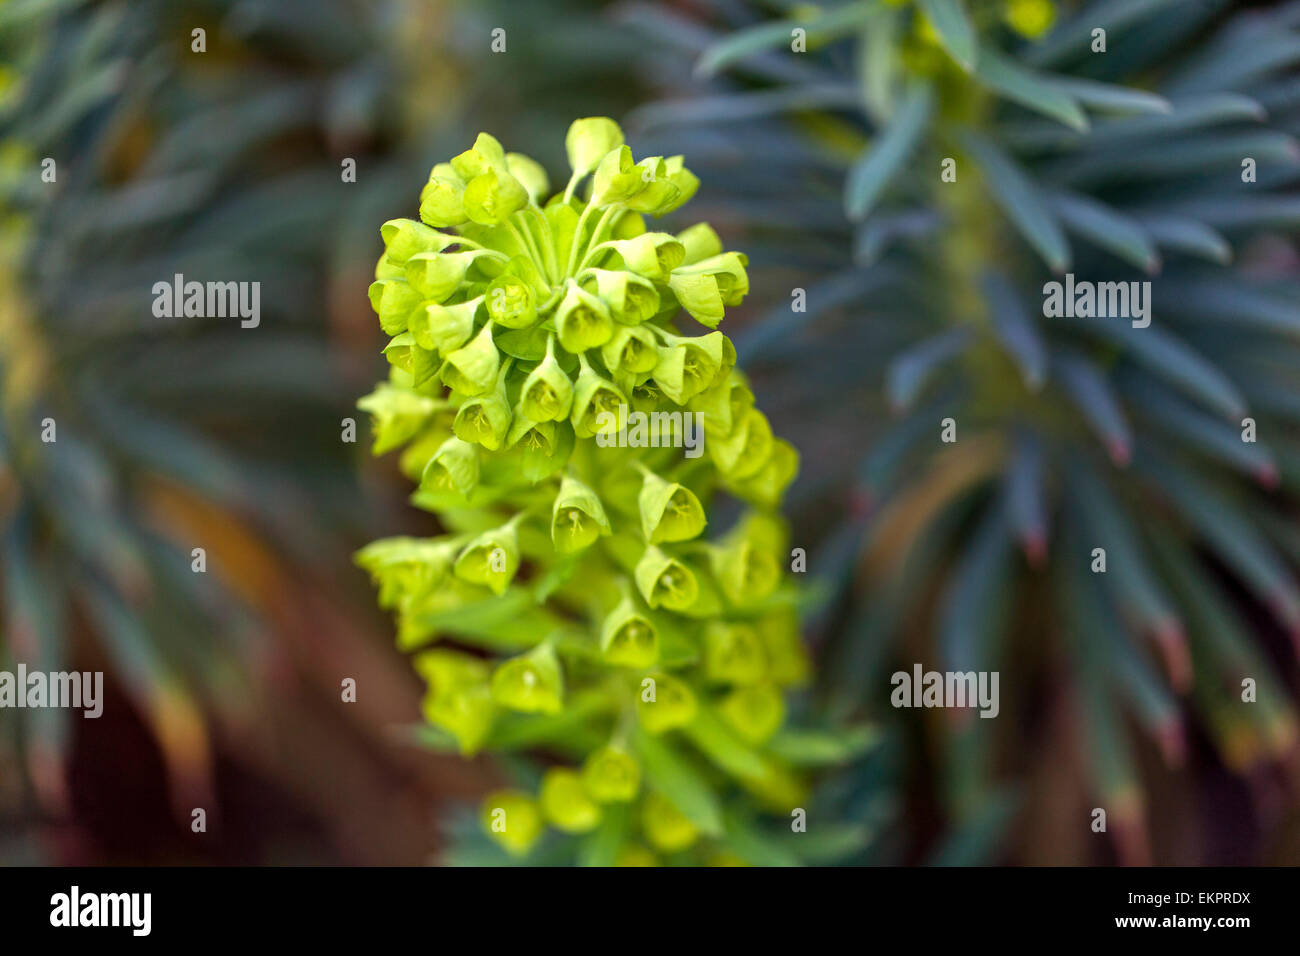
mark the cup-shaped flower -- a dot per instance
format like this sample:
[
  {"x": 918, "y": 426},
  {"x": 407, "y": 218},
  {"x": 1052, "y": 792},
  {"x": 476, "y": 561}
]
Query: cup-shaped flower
[
  {"x": 664, "y": 581},
  {"x": 404, "y": 238},
  {"x": 454, "y": 467},
  {"x": 630, "y": 298},
  {"x": 589, "y": 140},
  {"x": 444, "y": 328},
  {"x": 397, "y": 415},
  {"x": 667, "y": 828},
  {"x": 405, "y": 569},
  {"x": 393, "y": 301},
  {"x": 733, "y": 653},
  {"x": 577, "y": 517},
  {"x": 659, "y": 192},
  {"x": 628, "y": 637},
  {"x": 467, "y": 712},
  {"x": 787, "y": 658},
  {"x": 547, "y": 393},
  {"x": 688, "y": 366},
  {"x": 436, "y": 275},
  {"x": 670, "y": 707},
  {"x": 748, "y": 572},
  {"x": 746, "y": 450},
  {"x": 582, "y": 320},
  {"x": 755, "y": 712},
  {"x": 596, "y": 401},
  {"x": 403, "y": 353},
  {"x": 512, "y": 819},
  {"x": 530, "y": 683},
  {"x": 485, "y": 419},
  {"x": 669, "y": 511},
  {"x": 707, "y": 287},
  {"x": 491, "y": 559},
  {"x": 543, "y": 448},
  {"x": 768, "y": 484},
  {"x": 631, "y": 351},
  {"x": 611, "y": 775},
  {"x": 511, "y": 302},
  {"x": 686, "y": 182},
  {"x": 472, "y": 369},
  {"x": 653, "y": 255},
  {"x": 617, "y": 178},
  {"x": 566, "y": 805},
  {"x": 723, "y": 404}
]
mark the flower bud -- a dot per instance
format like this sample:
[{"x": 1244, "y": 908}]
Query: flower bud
[
  {"x": 444, "y": 328},
  {"x": 512, "y": 819},
  {"x": 669, "y": 511},
  {"x": 442, "y": 202},
  {"x": 566, "y": 804},
  {"x": 453, "y": 467},
  {"x": 511, "y": 302},
  {"x": 589, "y": 140},
  {"x": 665, "y": 581},
  {"x": 547, "y": 393},
  {"x": 491, "y": 559},
  {"x": 485, "y": 155},
  {"x": 700, "y": 242},
  {"x": 577, "y": 517},
  {"x": 405, "y": 569},
  {"x": 755, "y": 712},
  {"x": 582, "y": 321},
  {"x": 494, "y": 197},
  {"x": 666, "y": 827},
  {"x": 628, "y": 638},
  {"x": 472, "y": 369},
  {"x": 530, "y": 173},
  {"x": 733, "y": 653},
  {"x": 673, "y": 706},
  {"x": 611, "y": 775},
  {"x": 531, "y": 683}
]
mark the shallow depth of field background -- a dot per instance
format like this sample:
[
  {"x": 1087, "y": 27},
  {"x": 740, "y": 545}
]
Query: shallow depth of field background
[{"x": 223, "y": 689}]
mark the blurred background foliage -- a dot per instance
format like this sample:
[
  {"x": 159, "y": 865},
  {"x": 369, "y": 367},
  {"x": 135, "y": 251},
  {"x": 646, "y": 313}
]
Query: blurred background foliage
[{"x": 923, "y": 302}]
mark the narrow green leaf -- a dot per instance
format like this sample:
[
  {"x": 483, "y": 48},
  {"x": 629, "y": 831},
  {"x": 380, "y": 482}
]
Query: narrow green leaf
[
  {"x": 1021, "y": 200},
  {"x": 1031, "y": 90},
  {"x": 949, "y": 19},
  {"x": 881, "y": 161}
]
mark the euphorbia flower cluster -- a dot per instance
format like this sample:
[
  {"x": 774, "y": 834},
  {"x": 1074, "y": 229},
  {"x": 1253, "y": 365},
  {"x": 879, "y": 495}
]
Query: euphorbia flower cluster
[{"x": 576, "y": 604}]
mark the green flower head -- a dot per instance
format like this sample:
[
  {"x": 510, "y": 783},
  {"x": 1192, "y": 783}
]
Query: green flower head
[{"x": 525, "y": 327}]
